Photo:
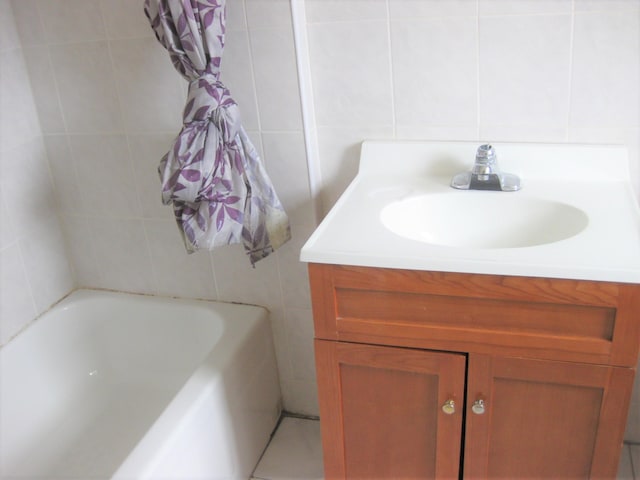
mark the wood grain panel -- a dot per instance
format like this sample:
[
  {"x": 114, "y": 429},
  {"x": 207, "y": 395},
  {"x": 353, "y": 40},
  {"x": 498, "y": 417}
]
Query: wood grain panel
[
  {"x": 386, "y": 404},
  {"x": 553, "y": 359},
  {"x": 476, "y": 313},
  {"x": 544, "y": 419},
  {"x": 530, "y": 289},
  {"x": 569, "y": 320}
]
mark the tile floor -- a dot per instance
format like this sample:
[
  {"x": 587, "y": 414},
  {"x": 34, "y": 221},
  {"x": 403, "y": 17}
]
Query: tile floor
[
  {"x": 629, "y": 468},
  {"x": 295, "y": 454}
]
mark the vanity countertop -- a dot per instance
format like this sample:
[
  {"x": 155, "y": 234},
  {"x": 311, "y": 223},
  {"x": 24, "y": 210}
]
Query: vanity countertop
[{"x": 591, "y": 178}]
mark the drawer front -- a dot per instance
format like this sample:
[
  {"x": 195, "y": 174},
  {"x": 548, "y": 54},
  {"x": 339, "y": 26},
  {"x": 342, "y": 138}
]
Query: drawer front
[{"x": 540, "y": 318}]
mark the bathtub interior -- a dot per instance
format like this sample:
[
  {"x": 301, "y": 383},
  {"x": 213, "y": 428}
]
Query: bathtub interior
[
  {"x": 84, "y": 390},
  {"x": 235, "y": 409}
]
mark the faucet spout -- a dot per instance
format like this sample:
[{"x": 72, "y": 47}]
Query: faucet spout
[{"x": 485, "y": 174}]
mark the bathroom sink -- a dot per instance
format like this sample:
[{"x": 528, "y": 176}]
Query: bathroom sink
[
  {"x": 483, "y": 220},
  {"x": 575, "y": 216}
]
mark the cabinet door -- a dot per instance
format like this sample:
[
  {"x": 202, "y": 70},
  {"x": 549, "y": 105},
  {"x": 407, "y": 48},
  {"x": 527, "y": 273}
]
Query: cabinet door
[
  {"x": 544, "y": 419},
  {"x": 382, "y": 411}
]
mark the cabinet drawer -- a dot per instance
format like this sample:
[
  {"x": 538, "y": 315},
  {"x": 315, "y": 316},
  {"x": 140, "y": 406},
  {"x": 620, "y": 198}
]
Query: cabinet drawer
[{"x": 541, "y": 318}]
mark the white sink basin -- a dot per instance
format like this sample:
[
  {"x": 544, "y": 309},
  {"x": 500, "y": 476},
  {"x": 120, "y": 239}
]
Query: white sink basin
[
  {"x": 483, "y": 220},
  {"x": 574, "y": 218}
]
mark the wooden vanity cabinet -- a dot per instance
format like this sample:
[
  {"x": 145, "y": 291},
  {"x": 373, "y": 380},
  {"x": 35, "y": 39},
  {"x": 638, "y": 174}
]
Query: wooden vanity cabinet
[{"x": 446, "y": 375}]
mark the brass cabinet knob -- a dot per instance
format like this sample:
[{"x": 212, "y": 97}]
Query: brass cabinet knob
[
  {"x": 478, "y": 407},
  {"x": 449, "y": 407}
]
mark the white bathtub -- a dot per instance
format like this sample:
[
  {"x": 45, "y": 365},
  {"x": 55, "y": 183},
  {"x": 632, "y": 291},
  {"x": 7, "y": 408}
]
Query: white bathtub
[{"x": 109, "y": 385}]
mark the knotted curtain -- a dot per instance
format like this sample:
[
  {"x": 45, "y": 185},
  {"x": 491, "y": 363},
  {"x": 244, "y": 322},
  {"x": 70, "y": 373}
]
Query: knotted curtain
[{"x": 212, "y": 175}]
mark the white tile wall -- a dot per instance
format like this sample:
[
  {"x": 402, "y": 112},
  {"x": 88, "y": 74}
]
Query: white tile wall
[
  {"x": 352, "y": 85},
  {"x": 294, "y": 195},
  {"x": 107, "y": 184},
  {"x": 524, "y": 70},
  {"x": 56, "y": 16},
  {"x": 146, "y": 149},
  {"x": 150, "y": 92},
  {"x": 44, "y": 89},
  {"x": 124, "y": 19},
  {"x": 491, "y": 70},
  {"x": 235, "y": 65},
  {"x": 34, "y": 268},
  {"x": 46, "y": 263},
  {"x": 122, "y": 252},
  {"x": 271, "y": 15},
  {"x": 177, "y": 274},
  {"x": 27, "y": 187},
  {"x": 337, "y": 10},
  {"x": 86, "y": 87},
  {"x": 606, "y": 70},
  {"x": 18, "y": 118},
  {"x": 523, "y": 7},
  {"x": 340, "y": 152},
  {"x": 629, "y": 6},
  {"x": 412, "y": 9},
  {"x": 8, "y": 35},
  {"x": 445, "y": 93},
  {"x": 276, "y": 81},
  {"x": 32, "y": 31},
  {"x": 18, "y": 307}
]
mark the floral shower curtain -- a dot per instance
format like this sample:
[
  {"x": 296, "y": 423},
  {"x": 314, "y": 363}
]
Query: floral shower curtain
[{"x": 212, "y": 176}]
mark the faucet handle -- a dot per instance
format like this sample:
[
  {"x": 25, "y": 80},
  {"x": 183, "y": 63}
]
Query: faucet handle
[
  {"x": 486, "y": 162},
  {"x": 485, "y": 174},
  {"x": 486, "y": 154}
]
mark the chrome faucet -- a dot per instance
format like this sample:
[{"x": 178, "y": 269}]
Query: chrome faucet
[{"x": 485, "y": 174}]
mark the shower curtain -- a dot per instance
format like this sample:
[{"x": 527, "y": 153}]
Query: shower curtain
[{"x": 212, "y": 175}]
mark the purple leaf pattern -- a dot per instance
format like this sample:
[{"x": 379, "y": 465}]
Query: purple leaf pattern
[{"x": 212, "y": 176}]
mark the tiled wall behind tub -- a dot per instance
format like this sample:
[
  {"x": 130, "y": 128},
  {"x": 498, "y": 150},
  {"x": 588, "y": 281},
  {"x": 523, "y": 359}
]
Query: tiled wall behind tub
[
  {"x": 477, "y": 70},
  {"x": 110, "y": 104},
  {"x": 34, "y": 268}
]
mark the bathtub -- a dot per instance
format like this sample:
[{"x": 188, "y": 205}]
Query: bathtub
[{"x": 110, "y": 385}]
